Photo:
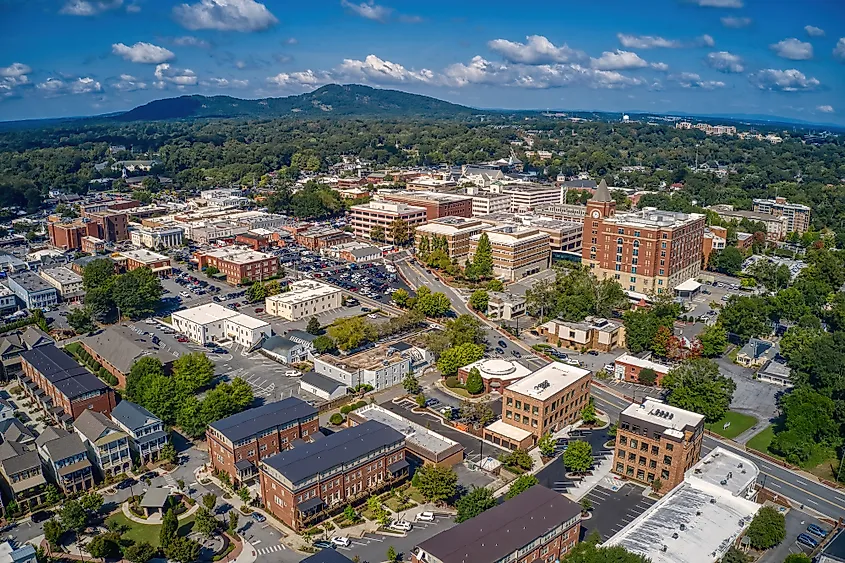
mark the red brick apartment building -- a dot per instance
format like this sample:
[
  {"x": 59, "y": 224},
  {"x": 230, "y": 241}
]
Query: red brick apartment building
[
  {"x": 253, "y": 240},
  {"x": 303, "y": 485},
  {"x": 536, "y": 525},
  {"x": 646, "y": 251},
  {"x": 436, "y": 204},
  {"x": 239, "y": 263},
  {"x": 236, "y": 444},
  {"x": 112, "y": 226},
  {"x": 68, "y": 236},
  {"x": 61, "y": 387},
  {"x": 628, "y": 368},
  {"x": 657, "y": 441},
  {"x": 316, "y": 238}
]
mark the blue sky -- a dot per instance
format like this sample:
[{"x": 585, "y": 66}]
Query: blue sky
[{"x": 772, "y": 57}]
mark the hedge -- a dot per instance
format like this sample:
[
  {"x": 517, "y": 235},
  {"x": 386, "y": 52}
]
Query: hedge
[
  {"x": 452, "y": 382},
  {"x": 336, "y": 419},
  {"x": 18, "y": 324}
]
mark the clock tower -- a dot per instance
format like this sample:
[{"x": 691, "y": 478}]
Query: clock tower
[{"x": 600, "y": 206}]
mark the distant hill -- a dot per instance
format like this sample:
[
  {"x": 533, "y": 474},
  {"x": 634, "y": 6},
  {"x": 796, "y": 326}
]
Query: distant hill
[{"x": 330, "y": 100}]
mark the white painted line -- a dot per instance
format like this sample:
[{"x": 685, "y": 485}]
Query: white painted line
[{"x": 256, "y": 542}]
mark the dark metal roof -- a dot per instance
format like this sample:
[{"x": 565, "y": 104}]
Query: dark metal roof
[
  {"x": 70, "y": 378},
  {"x": 279, "y": 343},
  {"x": 322, "y": 382},
  {"x": 306, "y": 460},
  {"x": 835, "y": 550},
  {"x": 243, "y": 464},
  {"x": 401, "y": 346},
  {"x": 150, "y": 437},
  {"x": 327, "y": 556},
  {"x": 252, "y": 421},
  {"x": 503, "y": 529},
  {"x": 301, "y": 334},
  {"x": 398, "y": 466},
  {"x": 310, "y": 504}
]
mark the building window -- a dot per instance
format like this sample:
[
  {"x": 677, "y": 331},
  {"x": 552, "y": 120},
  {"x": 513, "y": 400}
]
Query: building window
[
  {"x": 667, "y": 459},
  {"x": 623, "y": 440},
  {"x": 664, "y": 474},
  {"x": 670, "y": 447},
  {"x": 620, "y": 467},
  {"x": 620, "y": 453},
  {"x": 640, "y": 474}
]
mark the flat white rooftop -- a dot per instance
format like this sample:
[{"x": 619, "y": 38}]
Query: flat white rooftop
[
  {"x": 248, "y": 322},
  {"x": 452, "y": 226},
  {"x": 495, "y": 368},
  {"x": 413, "y": 432},
  {"x": 509, "y": 235},
  {"x": 502, "y": 428},
  {"x": 237, "y": 254},
  {"x": 641, "y": 363},
  {"x": 661, "y": 414},
  {"x": 548, "y": 380},
  {"x": 303, "y": 290},
  {"x": 205, "y": 314},
  {"x": 699, "y": 520},
  {"x": 144, "y": 256}
]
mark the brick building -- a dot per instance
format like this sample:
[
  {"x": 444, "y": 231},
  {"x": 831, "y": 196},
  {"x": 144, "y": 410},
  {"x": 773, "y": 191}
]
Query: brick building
[
  {"x": 317, "y": 238},
  {"x": 112, "y": 226},
  {"x": 536, "y": 525},
  {"x": 496, "y": 373},
  {"x": 797, "y": 216},
  {"x": 254, "y": 241},
  {"x": 134, "y": 259},
  {"x": 61, "y": 387},
  {"x": 239, "y": 263},
  {"x": 453, "y": 233},
  {"x": 436, "y": 204},
  {"x": 70, "y": 235},
  {"x": 593, "y": 333},
  {"x": 93, "y": 245},
  {"x": 657, "y": 441},
  {"x": 118, "y": 347},
  {"x": 305, "y": 484},
  {"x": 647, "y": 251},
  {"x": 236, "y": 444},
  {"x": 628, "y": 368}
]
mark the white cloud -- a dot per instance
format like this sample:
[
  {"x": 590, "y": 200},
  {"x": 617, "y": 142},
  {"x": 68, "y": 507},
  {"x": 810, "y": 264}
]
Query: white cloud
[
  {"x": 693, "y": 80},
  {"x": 368, "y": 10},
  {"x": 306, "y": 78},
  {"x": 535, "y": 51},
  {"x": 133, "y": 9},
  {"x": 57, "y": 86},
  {"x": 724, "y": 61},
  {"x": 647, "y": 41},
  {"x": 735, "y": 22},
  {"x": 663, "y": 67},
  {"x": 89, "y": 8},
  {"x": 291, "y": 41},
  {"x": 618, "y": 60},
  {"x": 839, "y": 50},
  {"x": 225, "y": 15},
  {"x": 707, "y": 40},
  {"x": 129, "y": 83},
  {"x": 167, "y": 74},
  {"x": 141, "y": 52},
  {"x": 478, "y": 71},
  {"x": 825, "y": 109},
  {"x": 814, "y": 31},
  {"x": 225, "y": 83},
  {"x": 191, "y": 41},
  {"x": 718, "y": 3},
  {"x": 15, "y": 74},
  {"x": 378, "y": 70},
  {"x": 790, "y": 80},
  {"x": 793, "y": 49}
]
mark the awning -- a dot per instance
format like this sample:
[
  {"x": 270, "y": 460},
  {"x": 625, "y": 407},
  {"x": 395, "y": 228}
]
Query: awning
[
  {"x": 244, "y": 465},
  {"x": 398, "y": 466},
  {"x": 310, "y": 504},
  {"x": 688, "y": 286}
]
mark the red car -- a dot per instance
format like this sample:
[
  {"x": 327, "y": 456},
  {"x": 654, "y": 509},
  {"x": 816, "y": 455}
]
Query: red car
[
  {"x": 181, "y": 339},
  {"x": 259, "y": 310}
]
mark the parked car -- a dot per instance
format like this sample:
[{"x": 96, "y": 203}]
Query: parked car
[
  {"x": 126, "y": 483},
  {"x": 259, "y": 309},
  {"x": 499, "y": 350},
  {"x": 401, "y": 525},
  {"x": 341, "y": 541},
  {"x": 817, "y": 531},
  {"x": 365, "y": 309},
  {"x": 150, "y": 321},
  {"x": 41, "y": 516},
  {"x": 292, "y": 373},
  {"x": 502, "y": 344},
  {"x": 807, "y": 540},
  {"x": 258, "y": 517},
  {"x": 425, "y": 516},
  {"x": 593, "y": 352},
  {"x": 516, "y": 353},
  {"x": 322, "y": 544},
  {"x": 572, "y": 362},
  {"x": 182, "y": 339},
  {"x": 432, "y": 402}
]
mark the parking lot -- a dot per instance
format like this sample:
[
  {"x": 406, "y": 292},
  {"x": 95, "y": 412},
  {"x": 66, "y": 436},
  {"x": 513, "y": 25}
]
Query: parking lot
[
  {"x": 613, "y": 510},
  {"x": 796, "y": 523},
  {"x": 373, "y": 547}
]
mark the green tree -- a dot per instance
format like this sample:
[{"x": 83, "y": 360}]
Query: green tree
[
  {"x": 797, "y": 558},
  {"x": 192, "y": 372},
  {"x": 183, "y": 550},
  {"x": 243, "y": 493},
  {"x": 714, "y": 340},
  {"x": 233, "y": 521},
  {"x": 209, "y": 501},
  {"x": 459, "y": 356},
  {"x": 377, "y": 234},
  {"x": 168, "y": 453},
  {"x": 350, "y": 514},
  {"x": 204, "y": 522},
  {"x": 767, "y": 529},
  {"x": 495, "y": 285},
  {"x": 482, "y": 260},
  {"x": 392, "y": 556},
  {"x": 324, "y": 344},
  {"x": 98, "y": 274},
  {"x": 735, "y": 556},
  {"x": 91, "y": 501},
  {"x": 474, "y": 384},
  {"x": 521, "y": 483},
  {"x": 589, "y": 552},
  {"x": 411, "y": 384},
  {"x": 656, "y": 485},
  {"x": 474, "y": 503},
  {"x": 789, "y": 304},
  {"x": 464, "y": 329},
  {"x": 588, "y": 414},
  {"x": 746, "y": 317},
  {"x": 400, "y": 297},
  {"x": 73, "y": 516},
  {"x": 578, "y": 457},
  {"x": 697, "y": 386},
  {"x": 479, "y": 300},
  {"x": 100, "y": 303},
  {"x": 431, "y": 304},
  {"x": 400, "y": 232},
  {"x": 212, "y": 271},
  {"x": 313, "y": 326},
  {"x": 80, "y": 320},
  {"x": 435, "y": 483},
  {"x": 256, "y": 292},
  {"x": 811, "y": 428},
  {"x": 727, "y": 261},
  {"x": 641, "y": 326},
  {"x": 547, "y": 445},
  {"x": 53, "y": 530},
  {"x": 137, "y": 293},
  {"x": 586, "y": 505},
  {"x": 104, "y": 546},
  {"x": 647, "y": 376},
  {"x": 169, "y": 527},
  {"x": 142, "y": 552},
  {"x": 518, "y": 459},
  {"x": 352, "y": 332},
  {"x": 52, "y": 494}
]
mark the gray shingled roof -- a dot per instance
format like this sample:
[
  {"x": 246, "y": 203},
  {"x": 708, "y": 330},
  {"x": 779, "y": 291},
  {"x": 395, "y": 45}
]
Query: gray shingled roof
[
  {"x": 280, "y": 344},
  {"x": 65, "y": 447},
  {"x": 322, "y": 382},
  {"x": 327, "y": 556},
  {"x": 122, "y": 347},
  {"x": 93, "y": 424},
  {"x": 252, "y": 421},
  {"x": 22, "y": 462},
  {"x": 306, "y": 460},
  {"x": 133, "y": 416},
  {"x": 50, "y": 433},
  {"x": 13, "y": 430}
]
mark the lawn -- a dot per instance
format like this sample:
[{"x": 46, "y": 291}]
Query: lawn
[
  {"x": 762, "y": 439},
  {"x": 739, "y": 424},
  {"x": 148, "y": 532}
]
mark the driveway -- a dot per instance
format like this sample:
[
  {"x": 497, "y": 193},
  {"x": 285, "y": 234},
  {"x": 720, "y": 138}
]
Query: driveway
[
  {"x": 796, "y": 523},
  {"x": 752, "y": 396},
  {"x": 613, "y": 510},
  {"x": 373, "y": 547}
]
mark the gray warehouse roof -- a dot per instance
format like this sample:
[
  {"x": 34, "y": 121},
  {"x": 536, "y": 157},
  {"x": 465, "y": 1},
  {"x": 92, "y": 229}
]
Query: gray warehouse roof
[
  {"x": 252, "y": 421},
  {"x": 306, "y": 460}
]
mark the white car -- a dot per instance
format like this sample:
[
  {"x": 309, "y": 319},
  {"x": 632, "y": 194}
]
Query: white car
[
  {"x": 425, "y": 516},
  {"x": 341, "y": 541},
  {"x": 150, "y": 321},
  {"x": 184, "y": 294},
  {"x": 372, "y": 316},
  {"x": 292, "y": 373},
  {"x": 401, "y": 525},
  {"x": 572, "y": 362}
]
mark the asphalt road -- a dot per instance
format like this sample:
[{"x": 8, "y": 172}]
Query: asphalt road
[{"x": 781, "y": 480}]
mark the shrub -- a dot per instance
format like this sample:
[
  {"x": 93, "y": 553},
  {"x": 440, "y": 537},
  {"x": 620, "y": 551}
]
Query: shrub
[
  {"x": 337, "y": 419},
  {"x": 360, "y": 404},
  {"x": 346, "y": 409},
  {"x": 452, "y": 382}
]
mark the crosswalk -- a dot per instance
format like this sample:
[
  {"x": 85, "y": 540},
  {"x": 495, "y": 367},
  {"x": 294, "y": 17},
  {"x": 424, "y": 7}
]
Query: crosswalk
[
  {"x": 170, "y": 481},
  {"x": 270, "y": 549}
]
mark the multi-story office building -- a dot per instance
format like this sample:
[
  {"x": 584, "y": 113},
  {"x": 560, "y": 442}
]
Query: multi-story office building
[
  {"x": 383, "y": 366},
  {"x": 517, "y": 251},
  {"x": 33, "y": 291},
  {"x": 368, "y": 218},
  {"x": 569, "y": 212},
  {"x": 61, "y": 387},
  {"x": 156, "y": 237},
  {"x": 66, "y": 459},
  {"x": 527, "y": 197},
  {"x": 301, "y": 485},
  {"x": 648, "y": 251},
  {"x": 454, "y": 231},
  {"x": 496, "y": 373},
  {"x": 563, "y": 235},
  {"x": 134, "y": 259},
  {"x": 305, "y": 299},
  {"x": 657, "y": 441},
  {"x": 237, "y": 443},
  {"x": 145, "y": 430},
  {"x": 715, "y": 240},
  {"x": 107, "y": 444},
  {"x": 436, "y": 204},
  {"x": 484, "y": 203},
  {"x": 536, "y": 525},
  {"x": 67, "y": 282},
  {"x": 69, "y": 235},
  {"x": 212, "y": 323},
  {"x": 776, "y": 226},
  {"x": 239, "y": 263},
  {"x": 797, "y": 216},
  {"x": 112, "y": 226}
]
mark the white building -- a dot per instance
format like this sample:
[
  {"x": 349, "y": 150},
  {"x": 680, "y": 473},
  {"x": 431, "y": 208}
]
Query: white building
[
  {"x": 213, "y": 323},
  {"x": 223, "y": 198},
  {"x": 700, "y": 519},
  {"x": 381, "y": 367},
  {"x": 156, "y": 237},
  {"x": 306, "y": 298},
  {"x": 484, "y": 203},
  {"x": 67, "y": 282},
  {"x": 7, "y": 299}
]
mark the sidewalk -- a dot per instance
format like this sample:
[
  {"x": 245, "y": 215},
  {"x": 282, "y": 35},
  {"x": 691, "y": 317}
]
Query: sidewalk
[{"x": 581, "y": 488}]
